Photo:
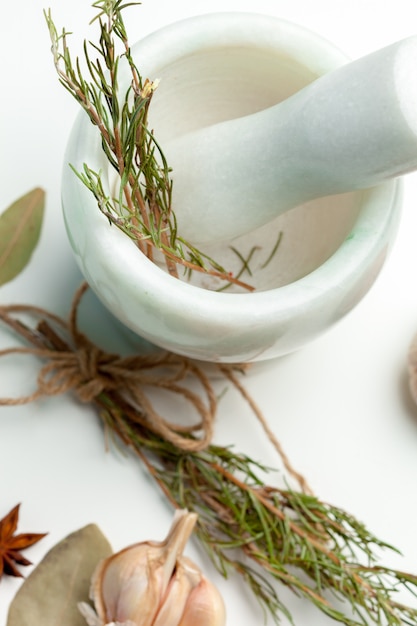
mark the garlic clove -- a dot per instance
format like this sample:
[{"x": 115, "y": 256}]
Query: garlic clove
[
  {"x": 178, "y": 592},
  {"x": 191, "y": 599},
  {"x": 205, "y": 605},
  {"x": 131, "y": 585}
]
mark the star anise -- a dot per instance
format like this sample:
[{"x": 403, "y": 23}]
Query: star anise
[{"x": 11, "y": 544}]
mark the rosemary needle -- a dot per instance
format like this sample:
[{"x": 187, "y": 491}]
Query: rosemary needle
[{"x": 142, "y": 208}]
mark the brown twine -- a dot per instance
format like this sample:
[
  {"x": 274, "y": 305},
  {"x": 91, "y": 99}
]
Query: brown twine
[{"x": 78, "y": 365}]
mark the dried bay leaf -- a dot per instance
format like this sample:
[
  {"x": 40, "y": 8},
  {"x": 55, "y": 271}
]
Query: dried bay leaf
[
  {"x": 50, "y": 594},
  {"x": 20, "y": 227}
]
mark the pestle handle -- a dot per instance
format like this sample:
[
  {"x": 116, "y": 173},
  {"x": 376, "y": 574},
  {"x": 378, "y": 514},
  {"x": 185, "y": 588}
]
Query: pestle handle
[{"x": 350, "y": 129}]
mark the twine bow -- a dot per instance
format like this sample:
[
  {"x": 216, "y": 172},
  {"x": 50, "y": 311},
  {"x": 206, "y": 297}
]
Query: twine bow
[
  {"x": 74, "y": 363},
  {"x": 78, "y": 365}
]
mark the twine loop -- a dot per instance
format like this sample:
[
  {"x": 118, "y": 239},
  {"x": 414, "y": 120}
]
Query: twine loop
[{"x": 72, "y": 362}]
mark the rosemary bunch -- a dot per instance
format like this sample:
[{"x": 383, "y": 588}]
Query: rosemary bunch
[
  {"x": 267, "y": 534},
  {"x": 142, "y": 207}
]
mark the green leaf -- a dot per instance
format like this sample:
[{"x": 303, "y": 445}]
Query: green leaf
[
  {"x": 20, "y": 227},
  {"x": 49, "y": 596}
]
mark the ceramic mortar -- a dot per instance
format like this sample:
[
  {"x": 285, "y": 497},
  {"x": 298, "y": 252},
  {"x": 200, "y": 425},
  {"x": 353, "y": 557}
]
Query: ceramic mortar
[{"x": 216, "y": 68}]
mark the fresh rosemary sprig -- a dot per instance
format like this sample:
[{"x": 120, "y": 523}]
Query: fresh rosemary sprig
[
  {"x": 142, "y": 208},
  {"x": 268, "y": 534}
]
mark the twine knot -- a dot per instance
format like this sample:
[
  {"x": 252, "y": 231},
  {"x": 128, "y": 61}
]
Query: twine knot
[
  {"x": 94, "y": 380},
  {"x": 76, "y": 364}
]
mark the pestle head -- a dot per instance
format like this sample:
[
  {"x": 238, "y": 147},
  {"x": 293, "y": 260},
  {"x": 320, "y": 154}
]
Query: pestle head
[{"x": 350, "y": 129}]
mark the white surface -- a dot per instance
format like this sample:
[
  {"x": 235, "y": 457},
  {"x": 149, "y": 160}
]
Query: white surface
[{"x": 340, "y": 406}]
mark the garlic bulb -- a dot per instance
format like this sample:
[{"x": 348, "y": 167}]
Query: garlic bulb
[{"x": 153, "y": 584}]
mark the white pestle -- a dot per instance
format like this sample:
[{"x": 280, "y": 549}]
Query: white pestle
[{"x": 350, "y": 129}]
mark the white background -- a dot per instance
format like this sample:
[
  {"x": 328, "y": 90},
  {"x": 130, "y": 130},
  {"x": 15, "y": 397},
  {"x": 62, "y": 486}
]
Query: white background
[{"x": 340, "y": 406}]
